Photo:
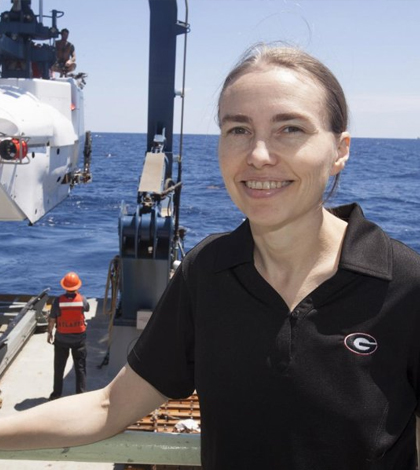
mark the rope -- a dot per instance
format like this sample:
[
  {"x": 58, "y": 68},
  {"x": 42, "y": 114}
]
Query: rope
[
  {"x": 181, "y": 137},
  {"x": 112, "y": 283}
]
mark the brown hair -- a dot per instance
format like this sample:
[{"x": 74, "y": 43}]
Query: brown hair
[{"x": 292, "y": 58}]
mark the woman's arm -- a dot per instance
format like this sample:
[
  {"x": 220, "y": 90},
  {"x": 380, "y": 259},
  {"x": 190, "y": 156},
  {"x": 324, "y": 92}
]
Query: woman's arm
[{"x": 84, "y": 418}]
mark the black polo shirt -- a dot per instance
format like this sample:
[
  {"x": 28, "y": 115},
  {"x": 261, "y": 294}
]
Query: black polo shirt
[{"x": 333, "y": 385}]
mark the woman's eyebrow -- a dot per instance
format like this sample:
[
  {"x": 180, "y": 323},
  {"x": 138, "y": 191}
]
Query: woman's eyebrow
[
  {"x": 235, "y": 118},
  {"x": 280, "y": 117},
  {"x": 289, "y": 117}
]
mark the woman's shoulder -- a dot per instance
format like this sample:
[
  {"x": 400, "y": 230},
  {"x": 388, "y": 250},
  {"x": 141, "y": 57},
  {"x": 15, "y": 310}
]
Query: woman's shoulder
[
  {"x": 208, "y": 246},
  {"x": 220, "y": 248},
  {"x": 404, "y": 255}
]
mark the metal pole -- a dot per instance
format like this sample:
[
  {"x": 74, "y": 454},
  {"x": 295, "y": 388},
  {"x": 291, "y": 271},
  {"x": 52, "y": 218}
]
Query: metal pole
[{"x": 41, "y": 11}]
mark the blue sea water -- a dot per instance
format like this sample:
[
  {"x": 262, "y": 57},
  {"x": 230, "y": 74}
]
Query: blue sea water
[{"x": 81, "y": 234}]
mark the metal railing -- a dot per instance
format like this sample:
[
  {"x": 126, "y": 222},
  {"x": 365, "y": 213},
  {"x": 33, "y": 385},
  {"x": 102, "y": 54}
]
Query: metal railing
[
  {"x": 131, "y": 447},
  {"x": 134, "y": 447}
]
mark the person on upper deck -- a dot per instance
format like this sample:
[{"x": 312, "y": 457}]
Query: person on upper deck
[
  {"x": 65, "y": 54},
  {"x": 299, "y": 330}
]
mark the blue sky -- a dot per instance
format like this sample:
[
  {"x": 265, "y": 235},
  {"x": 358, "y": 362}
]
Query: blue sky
[{"x": 373, "y": 47}]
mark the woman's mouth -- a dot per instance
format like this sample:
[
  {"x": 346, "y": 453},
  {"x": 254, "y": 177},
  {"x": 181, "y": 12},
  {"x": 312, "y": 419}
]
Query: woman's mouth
[{"x": 266, "y": 185}]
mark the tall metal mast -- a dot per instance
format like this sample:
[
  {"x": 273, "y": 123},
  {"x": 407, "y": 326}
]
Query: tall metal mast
[{"x": 147, "y": 239}]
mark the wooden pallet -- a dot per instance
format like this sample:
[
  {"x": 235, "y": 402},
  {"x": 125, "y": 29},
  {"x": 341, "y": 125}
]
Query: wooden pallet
[{"x": 168, "y": 415}]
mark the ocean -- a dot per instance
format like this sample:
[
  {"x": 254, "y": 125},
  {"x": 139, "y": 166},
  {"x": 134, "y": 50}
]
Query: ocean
[{"x": 81, "y": 234}]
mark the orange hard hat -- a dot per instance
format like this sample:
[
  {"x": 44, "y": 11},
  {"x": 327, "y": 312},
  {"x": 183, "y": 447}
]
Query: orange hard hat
[{"x": 71, "y": 281}]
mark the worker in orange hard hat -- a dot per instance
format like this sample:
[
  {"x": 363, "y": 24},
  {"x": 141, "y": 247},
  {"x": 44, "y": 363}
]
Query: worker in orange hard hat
[{"x": 68, "y": 317}]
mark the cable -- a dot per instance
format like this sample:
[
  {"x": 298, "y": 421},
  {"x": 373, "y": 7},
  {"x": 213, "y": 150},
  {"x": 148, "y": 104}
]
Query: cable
[{"x": 177, "y": 198}]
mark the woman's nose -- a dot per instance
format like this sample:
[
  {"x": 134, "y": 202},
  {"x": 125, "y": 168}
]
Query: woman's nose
[{"x": 260, "y": 155}]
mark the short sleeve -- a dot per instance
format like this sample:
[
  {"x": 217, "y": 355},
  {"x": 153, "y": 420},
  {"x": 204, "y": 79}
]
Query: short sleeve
[
  {"x": 55, "y": 309},
  {"x": 86, "y": 305},
  {"x": 164, "y": 353}
]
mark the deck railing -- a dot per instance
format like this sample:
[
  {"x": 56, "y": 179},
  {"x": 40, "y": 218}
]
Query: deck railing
[{"x": 131, "y": 447}]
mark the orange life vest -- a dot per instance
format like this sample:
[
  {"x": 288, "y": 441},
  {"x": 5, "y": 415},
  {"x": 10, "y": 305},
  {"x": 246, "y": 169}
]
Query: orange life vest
[{"x": 72, "y": 319}]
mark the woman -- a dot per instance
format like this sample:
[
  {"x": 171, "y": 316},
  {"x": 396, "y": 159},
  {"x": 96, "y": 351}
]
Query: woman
[{"x": 299, "y": 329}]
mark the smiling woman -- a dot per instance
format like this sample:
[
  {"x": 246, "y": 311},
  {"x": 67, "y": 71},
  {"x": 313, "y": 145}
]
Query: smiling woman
[{"x": 293, "y": 309}]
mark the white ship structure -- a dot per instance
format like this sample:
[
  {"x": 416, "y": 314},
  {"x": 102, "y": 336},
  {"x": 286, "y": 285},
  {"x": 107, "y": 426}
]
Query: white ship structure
[{"x": 42, "y": 136}]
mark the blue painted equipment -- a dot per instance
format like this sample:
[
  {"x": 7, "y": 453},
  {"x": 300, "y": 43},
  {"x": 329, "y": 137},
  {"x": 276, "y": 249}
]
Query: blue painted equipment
[
  {"x": 149, "y": 239},
  {"x": 20, "y": 57}
]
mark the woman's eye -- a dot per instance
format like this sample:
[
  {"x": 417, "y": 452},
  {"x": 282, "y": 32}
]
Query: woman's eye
[
  {"x": 237, "y": 131},
  {"x": 292, "y": 129}
]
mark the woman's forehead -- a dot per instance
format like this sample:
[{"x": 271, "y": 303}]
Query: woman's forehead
[
  {"x": 276, "y": 76},
  {"x": 274, "y": 84}
]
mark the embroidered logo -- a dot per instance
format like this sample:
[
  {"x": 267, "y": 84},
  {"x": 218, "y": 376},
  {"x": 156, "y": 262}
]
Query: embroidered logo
[{"x": 361, "y": 343}]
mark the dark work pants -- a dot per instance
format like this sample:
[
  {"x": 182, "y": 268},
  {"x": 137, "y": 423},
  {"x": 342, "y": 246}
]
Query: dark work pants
[{"x": 61, "y": 354}]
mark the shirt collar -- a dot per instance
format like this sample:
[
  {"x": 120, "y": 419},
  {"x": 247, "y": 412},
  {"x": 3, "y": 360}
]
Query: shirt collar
[
  {"x": 235, "y": 248},
  {"x": 366, "y": 247}
]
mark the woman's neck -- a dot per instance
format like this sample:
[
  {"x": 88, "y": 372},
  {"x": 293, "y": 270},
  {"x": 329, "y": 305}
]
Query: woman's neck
[{"x": 297, "y": 258}]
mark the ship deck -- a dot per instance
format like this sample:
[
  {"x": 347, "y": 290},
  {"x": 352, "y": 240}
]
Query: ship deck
[{"x": 28, "y": 382}]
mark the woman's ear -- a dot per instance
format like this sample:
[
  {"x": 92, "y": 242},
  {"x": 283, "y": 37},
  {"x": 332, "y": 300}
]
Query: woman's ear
[{"x": 343, "y": 153}]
